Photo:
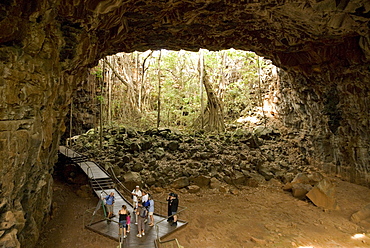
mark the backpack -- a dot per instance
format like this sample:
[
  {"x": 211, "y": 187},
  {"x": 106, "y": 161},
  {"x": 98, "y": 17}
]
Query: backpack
[
  {"x": 146, "y": 204},
  {"x": 143, "y": 212}
]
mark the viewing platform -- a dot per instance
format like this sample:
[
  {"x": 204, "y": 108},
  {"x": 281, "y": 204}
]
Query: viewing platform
[{"x": 103, "y": 184}]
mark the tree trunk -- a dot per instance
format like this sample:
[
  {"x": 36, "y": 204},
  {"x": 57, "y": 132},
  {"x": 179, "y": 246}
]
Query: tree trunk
[
  {"x": 159, "y": 90},
  {"x": 214, "y": 118},
  {"x": 109, "y": 82},
  {"x": 211, "y": 118},
  {"x": 201, "y": 83}
]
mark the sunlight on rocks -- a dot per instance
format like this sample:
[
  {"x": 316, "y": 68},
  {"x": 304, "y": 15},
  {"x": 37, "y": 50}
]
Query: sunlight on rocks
[
  {"x": 358, "y": 236},
  {"x": 251, "y": 119}
]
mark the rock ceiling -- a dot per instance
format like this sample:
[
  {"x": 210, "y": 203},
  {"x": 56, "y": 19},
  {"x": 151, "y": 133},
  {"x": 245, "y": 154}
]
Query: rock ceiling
[
  {"x": 47, "y": 46},
  {"x": 291, "y": 32}
]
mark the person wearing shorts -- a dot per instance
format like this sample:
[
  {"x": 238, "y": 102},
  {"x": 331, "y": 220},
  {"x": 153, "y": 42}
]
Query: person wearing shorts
[
  {"x": 151, "y": 210},
  {"x": 122, "y": 221},
  {"x": 109, "y": 202}
]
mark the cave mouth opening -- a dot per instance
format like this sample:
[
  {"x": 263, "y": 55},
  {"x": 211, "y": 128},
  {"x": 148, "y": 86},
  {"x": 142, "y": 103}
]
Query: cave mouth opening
[{"x": 166, "y": 88}]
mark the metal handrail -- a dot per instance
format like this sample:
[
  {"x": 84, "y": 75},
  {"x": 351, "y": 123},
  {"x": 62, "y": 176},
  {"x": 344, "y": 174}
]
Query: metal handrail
[
  {"x": 92, "y": 178},
  {"x": 170, "y": 240},
  {"x": 157, "y": 226},
  {"x": 89, "y": 170},
  {"x": 118, "y": 181}
]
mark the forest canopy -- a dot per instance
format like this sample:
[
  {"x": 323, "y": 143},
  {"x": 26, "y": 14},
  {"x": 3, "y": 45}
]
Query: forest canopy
[{"x": 202, "y": 90}]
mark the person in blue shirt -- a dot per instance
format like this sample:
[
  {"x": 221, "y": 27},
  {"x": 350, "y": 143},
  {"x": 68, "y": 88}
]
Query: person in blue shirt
[
  {"x": 109, "y": 202},
  {"x": 151, "y": 210}
]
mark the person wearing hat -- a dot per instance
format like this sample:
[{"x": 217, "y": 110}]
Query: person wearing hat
[{"x": 135, "y": 194}]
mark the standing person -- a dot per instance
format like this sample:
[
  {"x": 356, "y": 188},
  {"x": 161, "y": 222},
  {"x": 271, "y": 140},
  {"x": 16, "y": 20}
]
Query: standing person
[
  {"x": 169, "y": 212},
  {"x": 151, "y": 210},
  {"x": 174, "y": 207},
  {"x": 141, "y": 213},
  {"x": 144, "y": 198},
  {"x": 109, "y": 202},
  {"x": 122, "y": 221},
  {"x": 145, "y": 201},
  {"x": 128, "y": 222},
  {"x": 135, "y": 194}
]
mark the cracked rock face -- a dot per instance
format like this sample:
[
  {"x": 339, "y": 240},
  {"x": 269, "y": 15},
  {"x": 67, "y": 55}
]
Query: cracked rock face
[{"x": 47, "y": 46}]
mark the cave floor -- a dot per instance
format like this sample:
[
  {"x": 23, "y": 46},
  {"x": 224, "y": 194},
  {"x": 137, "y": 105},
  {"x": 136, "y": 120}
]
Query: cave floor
[{"x": 265, "y": 216}]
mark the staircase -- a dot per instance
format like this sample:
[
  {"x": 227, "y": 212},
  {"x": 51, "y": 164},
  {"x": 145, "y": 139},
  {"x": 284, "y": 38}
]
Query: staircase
[{"x": 101, "y": 183}]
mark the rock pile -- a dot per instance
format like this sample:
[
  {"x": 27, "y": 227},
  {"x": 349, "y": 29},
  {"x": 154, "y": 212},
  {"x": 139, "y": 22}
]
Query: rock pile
[
  {"x": 315, "y": 187},
  {"x": 160, "y": 158}
]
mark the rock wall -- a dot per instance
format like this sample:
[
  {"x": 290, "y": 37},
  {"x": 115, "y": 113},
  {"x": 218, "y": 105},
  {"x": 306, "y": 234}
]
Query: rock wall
[
  {"x": 46, "y": 47},
  {"x": 332, "y": 115},
  {"x": 33, "y": 98}
]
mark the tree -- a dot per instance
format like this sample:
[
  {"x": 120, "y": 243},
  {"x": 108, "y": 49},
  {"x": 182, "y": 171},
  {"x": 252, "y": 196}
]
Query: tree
[{"x": 211, "y": 117}]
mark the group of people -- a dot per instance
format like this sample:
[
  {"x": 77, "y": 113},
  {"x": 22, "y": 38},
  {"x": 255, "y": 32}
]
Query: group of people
[{"x": 143, "y": 205}]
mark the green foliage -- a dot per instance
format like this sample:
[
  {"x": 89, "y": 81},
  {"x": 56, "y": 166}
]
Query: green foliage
[
  {"x": 232, "y": 79},
  {"x": 98, "y": 72},
  {"x": 100, "y": 99}
]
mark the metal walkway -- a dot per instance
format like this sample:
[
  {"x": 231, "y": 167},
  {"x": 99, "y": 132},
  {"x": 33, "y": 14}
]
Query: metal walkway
[{"x": 103, "y": 184}]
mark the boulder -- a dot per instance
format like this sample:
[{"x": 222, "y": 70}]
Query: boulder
[
  {"x": 193, "y": 189},
  {"x": 173, "y": 145},
  {"x": 181, "y": 182},
  {"x": 137, "y": 167},
  {"x": 266, "y": 173},
  {"x": 255, "y": 180},
  {"x": 134, "y": 147},
  {"x": 315, "y": 177},
  {"x": 323, "y": 195},
  {"x": 299, "y": 190},
  {"x": 288, "y": 187},
  {"x": 126, "y": 159},
  {"x": 150, "y": 181},
  {"x": 159, "y": 153},
  {"x": 131, "y": 179},
  {"x": 117, "y": 170},
  {"x": 239, "y": 178},
  {"x": 362, "y": 214},
  {"x": 224, "y": 189},
  {"x": 265, "y": 132},
  {"x": 146, "y": 145},
  {"x": 301, "y": 178},
  {"x": 214, "y": 183},
  {"x": 202, "y": 181}
]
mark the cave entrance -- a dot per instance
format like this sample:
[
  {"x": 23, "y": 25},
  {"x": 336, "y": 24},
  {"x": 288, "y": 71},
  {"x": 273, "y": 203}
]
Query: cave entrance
[{"x": 205, "y": 90}]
